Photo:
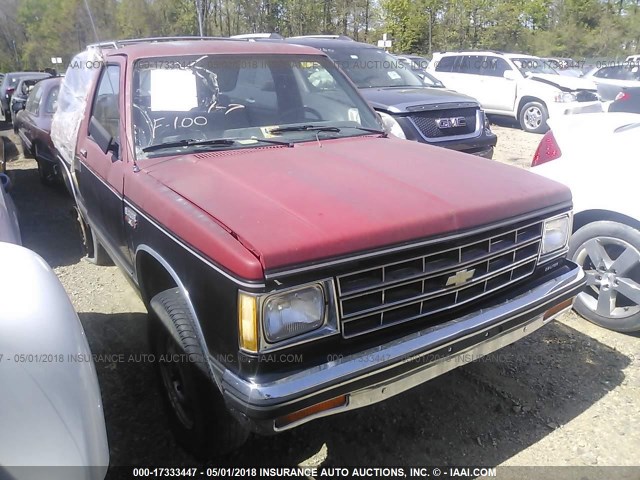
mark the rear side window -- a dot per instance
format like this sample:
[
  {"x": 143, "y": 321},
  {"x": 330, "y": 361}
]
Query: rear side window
[
  {"x": 445, "y": 64},
  {"x": 106, "y": 108},
  {"x": 614, "y": 73},
  {"x": 33, "y": 102},
  {"x": 471, "y": 65},
  {"x": 495, "y": 67}
]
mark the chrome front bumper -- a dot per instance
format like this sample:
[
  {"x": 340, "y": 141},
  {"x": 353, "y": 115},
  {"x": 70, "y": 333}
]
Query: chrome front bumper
[{"x": 378, "y": 373}]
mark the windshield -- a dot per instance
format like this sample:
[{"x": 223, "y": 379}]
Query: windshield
[
  {"x": 533, "y": 65},
  {"x": 370, "y": 67},
  {"x": 189, "y": 101}
]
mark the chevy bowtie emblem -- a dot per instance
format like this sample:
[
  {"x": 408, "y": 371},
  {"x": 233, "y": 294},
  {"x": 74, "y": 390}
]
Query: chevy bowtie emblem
[
  {"x": 451, "y": 122},
  {"x": 460, "y": 277}
]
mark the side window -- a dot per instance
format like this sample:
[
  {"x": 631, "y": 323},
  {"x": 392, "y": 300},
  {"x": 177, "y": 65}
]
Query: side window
[
  {"x": 603, "y": 72},
  {"x": 472, "y": 65},
  {"x": 496, "y": 66},
  {"x": 106, "y": 106},
  {"x": 445, "y": 64},
  {"x": 33, "y": 101},
  {"x": 51, "y": 102}
]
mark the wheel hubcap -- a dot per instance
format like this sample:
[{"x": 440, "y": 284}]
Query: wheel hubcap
[
  {"x": 612, "y": 267},
  {"x": 533, "y": 117}
]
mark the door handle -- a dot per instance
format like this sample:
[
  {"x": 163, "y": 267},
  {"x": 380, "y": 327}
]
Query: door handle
[{"x": 83, "y": 152}]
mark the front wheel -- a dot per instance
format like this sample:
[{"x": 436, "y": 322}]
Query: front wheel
[
  {"x": 609, "y": 253},
  {"x": 533, "y": 117},
  {"x": 198, "y": 416}
]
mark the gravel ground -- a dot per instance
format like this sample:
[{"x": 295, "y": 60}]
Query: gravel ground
[{"x": 566, "y": 395}]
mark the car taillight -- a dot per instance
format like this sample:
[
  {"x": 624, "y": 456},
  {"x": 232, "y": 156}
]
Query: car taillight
[
  {"x": 547, "y": 150},
  {"x": 10, "y": 89},
  {"x": 622, "y": 96}
]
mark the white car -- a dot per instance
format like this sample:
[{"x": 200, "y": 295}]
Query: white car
[
  {"x": 50, "y": 406},
  {"x": 596, "y": 155},
  {"x": 519, "y": 86},
  {"x": 611, "y": 79},
  {"x": 9, "y": 227}
]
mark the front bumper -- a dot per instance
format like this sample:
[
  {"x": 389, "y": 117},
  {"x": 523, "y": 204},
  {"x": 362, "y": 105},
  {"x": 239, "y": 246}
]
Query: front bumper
[
  {"x": 570, "y": 108},
  {"x": 386, "y": 370}
]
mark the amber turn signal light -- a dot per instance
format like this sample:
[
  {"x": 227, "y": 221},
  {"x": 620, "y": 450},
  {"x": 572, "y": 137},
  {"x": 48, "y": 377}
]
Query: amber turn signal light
[
  {"x": 312, "y": 410},
  {"x": 248, "y": 322},
  {"x": 557, "y": 308}
]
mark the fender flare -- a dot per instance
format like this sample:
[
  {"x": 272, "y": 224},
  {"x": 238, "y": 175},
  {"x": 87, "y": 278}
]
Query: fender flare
[{"x": 166, "y": 321}]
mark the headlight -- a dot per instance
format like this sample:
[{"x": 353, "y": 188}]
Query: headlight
[
  {"x": 391, "y": 125},
  {"x": 565, "y": 97},
  {"x": 487, "y": 126},
  {"x": 556, "y": 233},
  {"x": 290, "y": 314}
]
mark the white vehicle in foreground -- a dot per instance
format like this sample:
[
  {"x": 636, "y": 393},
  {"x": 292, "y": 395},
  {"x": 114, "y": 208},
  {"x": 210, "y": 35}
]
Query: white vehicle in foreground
[
  {"x": 51, "y": 419},
  {"x": 596, "y": 156},
  {"x": 519, "y": 86}
]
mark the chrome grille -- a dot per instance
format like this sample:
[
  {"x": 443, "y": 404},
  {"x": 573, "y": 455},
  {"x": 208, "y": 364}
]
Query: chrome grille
[
  {"x": 436, "y": 280},
  {"x": 586, "y": 96},
  {"x": 426, "y": 122}
]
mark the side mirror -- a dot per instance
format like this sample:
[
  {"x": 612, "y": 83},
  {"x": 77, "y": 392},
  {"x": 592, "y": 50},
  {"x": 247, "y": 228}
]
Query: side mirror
[
  {"x": 6, "y": 182},
  {"x": 509, "y": 75},
  {"x": 103, "y": 138}
]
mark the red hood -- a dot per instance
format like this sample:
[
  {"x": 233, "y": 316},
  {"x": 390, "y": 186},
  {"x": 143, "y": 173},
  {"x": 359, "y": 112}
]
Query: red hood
[{"x": 296, "y": 205}]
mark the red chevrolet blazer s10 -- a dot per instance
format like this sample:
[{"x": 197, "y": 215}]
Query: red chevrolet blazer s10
[{"x": 296, "y": 260}]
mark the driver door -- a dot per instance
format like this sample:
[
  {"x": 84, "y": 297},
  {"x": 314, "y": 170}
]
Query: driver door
[
  {"x": 500, "y": 92},
  {"x": 99, "y": 174}
]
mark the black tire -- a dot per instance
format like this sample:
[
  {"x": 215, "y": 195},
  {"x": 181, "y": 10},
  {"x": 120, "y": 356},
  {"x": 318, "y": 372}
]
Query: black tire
[
  {"x": 609, "y": 253},
  {"x": 26, "y": 151},
  {"x": 95, "y": 252},
  {"x": 533, "y": 117},
  {"x": 46, "y": 172},
  {"x": 200, "y": 421}
]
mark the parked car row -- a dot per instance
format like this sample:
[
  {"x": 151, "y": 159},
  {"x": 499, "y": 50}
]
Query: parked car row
[
  {"x": 519, "y": 86},
  {"x": 410, "y": 106},
  {"x": 8, "y": 87}
]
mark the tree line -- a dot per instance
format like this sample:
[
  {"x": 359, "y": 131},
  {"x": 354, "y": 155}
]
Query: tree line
[{"x": 33, "y": 31}]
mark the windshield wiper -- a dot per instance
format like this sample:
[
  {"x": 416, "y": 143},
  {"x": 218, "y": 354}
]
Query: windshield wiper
[
  {"x": 268, "y": 140},
  {"x": 304, "y": 128},
  {"x": 370, "y": 130},
  {"x": 190, "y": 143},
  {"x": 225, "y": 142}
]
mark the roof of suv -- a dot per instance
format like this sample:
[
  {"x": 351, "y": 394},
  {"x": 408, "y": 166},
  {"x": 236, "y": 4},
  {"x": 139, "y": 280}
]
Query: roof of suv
[
  {"x": 332, "y": 43},
  {"x": 195, "y": 47},
  {"x": 487, "y": 52}
]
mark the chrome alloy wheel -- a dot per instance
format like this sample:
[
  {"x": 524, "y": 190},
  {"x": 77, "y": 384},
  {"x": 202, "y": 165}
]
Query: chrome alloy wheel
[
  {"x": 612, "y": 266},
  {"x": 533, "y": 117}
]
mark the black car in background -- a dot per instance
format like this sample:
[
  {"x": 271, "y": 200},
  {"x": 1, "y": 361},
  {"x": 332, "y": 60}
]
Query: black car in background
[
  {"x": 33, "y": 126},
  {"x": 8, "y": 86},
  {"x": 628, "y": 100},
  {"x": 20, "y": 95},
  {"x": 410, "y": 107}
]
